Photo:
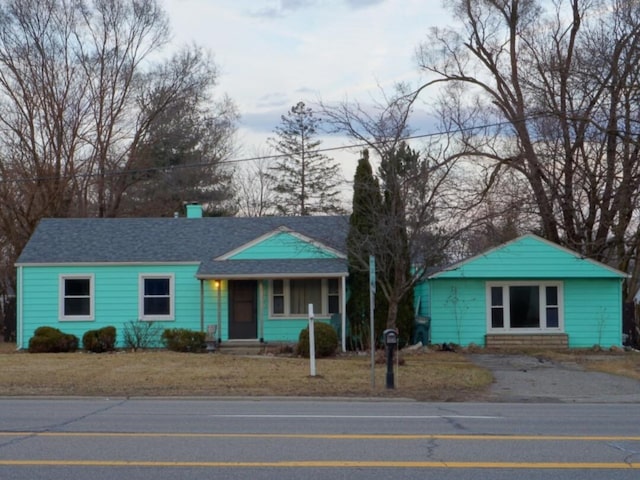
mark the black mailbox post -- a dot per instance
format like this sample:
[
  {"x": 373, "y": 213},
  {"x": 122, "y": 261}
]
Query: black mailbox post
[{"x": 391, "y": 343}]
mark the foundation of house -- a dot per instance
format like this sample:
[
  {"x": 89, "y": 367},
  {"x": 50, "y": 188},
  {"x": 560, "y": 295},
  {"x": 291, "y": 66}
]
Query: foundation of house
[{"x": 529, "y": 340}]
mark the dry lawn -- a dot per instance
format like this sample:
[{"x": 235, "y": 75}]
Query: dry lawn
[
  {"x": 425, "y": 376},
  {"x": 428, "y": 375}
]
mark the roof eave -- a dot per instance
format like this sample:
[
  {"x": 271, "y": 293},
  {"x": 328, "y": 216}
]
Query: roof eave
[{"x": 269, "y": 276}]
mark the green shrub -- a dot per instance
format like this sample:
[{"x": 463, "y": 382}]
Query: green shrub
[
  {"x": 183, "y": 340},
  {"x": 98, "y": 341},
  {"x": 52, "y": 340},
  {"x": 326, "y": 341},
  {"x": 47, "y": 332}
]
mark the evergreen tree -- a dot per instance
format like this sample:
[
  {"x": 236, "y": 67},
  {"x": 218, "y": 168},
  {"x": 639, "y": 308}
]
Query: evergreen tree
[
  {"x": 379, "y": 227},
  {"x": 397, "y": 171},
  {"x": 409, "y": 241},
  {"x": 361, "y": 242},
  {"x": 306, "y": 182}
]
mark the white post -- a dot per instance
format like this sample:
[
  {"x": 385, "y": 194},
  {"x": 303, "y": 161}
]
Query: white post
[
  {"x": 372, "y": 338},
  {"x": 312, "y": 342},
  {"x": 343, "y": 309}
]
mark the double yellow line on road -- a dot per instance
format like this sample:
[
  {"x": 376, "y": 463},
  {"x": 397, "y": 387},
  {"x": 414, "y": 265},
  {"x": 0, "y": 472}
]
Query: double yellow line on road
[
  {"x": 327, "y": 464},
  {"x": 331, "y": 436}
]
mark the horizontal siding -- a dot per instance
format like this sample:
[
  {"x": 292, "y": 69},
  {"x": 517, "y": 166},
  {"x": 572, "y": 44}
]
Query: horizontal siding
[
  {"x": 211, "y": 316},
  {"x": 458, "y": 311},
  {"x": 282, "y": 246},
  {"x": 421, "y": 293},
  {"x": 116, "y": 302},
  {"x": 531, "y": 258},
  {"x": 592, "y": 307},
  {"x": 280, "y": 329},
  {"x": 593, "y": 312},
  {"x": 116, "y": 298},
  {"x": 284, "y": 330}
]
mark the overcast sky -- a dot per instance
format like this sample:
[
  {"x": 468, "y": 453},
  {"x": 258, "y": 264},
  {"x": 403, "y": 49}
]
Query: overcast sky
[{"x": 274, "y": 53}]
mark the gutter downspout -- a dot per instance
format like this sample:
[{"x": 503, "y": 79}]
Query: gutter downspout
[{"x": 19, "y": 309}]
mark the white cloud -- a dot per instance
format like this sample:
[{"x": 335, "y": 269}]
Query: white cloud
[
  {"x": 281, "y": 8},
  {"x": 273, "y": 100},
  {"x": 304, "y": 50},
  {"x": 362, "y": 3}
]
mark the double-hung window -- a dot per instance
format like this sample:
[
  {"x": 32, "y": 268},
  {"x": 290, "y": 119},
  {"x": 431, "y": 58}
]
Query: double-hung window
[
  {"x": 291, "y": 298},
  {"x": 333, "y": 295},
  {"x": 524, "y": 306},
  {"x": 156, "y": 297},
  {"x": 76, "y": 297}
]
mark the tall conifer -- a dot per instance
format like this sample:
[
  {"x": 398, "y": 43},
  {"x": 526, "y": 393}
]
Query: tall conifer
[
  {"x": 361, "y": 241},
  {"x": 393, "y": 247},
  {"x": 306, "y": 181}
]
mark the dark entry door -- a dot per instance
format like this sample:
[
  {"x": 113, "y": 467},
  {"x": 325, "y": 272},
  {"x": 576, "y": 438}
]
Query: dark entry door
[{"x": 243, "y": 318}]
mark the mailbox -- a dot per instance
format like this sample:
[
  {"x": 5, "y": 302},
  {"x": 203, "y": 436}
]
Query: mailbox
[{"x": 390, "y": 337}]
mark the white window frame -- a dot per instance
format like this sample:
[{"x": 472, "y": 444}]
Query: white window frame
[
  {"x": 329, "y": 294},
  {"x": 172, "y": 301},
  {"x": 324, "y": 295},
  {"x": 542, "y": 300},
  {"x": 273, "y": 294},
  {"x": 62, "y": 296}
]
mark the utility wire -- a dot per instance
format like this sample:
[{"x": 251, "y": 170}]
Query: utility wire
[{"x": 261, "y": 157}]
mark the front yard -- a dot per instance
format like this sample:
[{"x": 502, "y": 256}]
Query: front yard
[{"x": 426, "y": 375}]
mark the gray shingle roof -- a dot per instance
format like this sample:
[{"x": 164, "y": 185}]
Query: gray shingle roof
[{"x": 161, "y": 240}]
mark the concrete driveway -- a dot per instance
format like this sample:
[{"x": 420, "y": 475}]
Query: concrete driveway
[{"x": 522, "y": 378}]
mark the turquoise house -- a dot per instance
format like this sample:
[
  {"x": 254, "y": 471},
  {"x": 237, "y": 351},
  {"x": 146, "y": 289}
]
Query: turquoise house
[
  {"x": 252, "y": 279},
  {"x": 249, "y": 279},
  {"x": 526, "y": 292}
]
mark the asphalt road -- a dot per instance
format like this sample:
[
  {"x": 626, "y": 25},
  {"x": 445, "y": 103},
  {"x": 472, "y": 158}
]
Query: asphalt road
[{"x": 314, "y": 439}]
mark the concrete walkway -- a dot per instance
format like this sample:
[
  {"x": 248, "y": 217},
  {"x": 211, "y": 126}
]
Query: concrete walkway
[{"x": 522, "y": 378}]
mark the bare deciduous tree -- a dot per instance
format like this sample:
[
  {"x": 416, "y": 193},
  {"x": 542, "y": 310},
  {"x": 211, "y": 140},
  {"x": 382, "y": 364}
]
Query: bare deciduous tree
[
  {"x": 562, "y": 88},
  {"x": 408, "y": 238},
  {"x": 255, "y": 186},
  {"x": 84, "y": 98}
]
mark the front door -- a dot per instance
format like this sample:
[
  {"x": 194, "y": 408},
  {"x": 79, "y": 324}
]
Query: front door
[{"x": 243, "y": 318}]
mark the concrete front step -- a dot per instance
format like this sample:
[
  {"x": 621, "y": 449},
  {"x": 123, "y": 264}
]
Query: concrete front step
[{"x": 242, "y": 347}]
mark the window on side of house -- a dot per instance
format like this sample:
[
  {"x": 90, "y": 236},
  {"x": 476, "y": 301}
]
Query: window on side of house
[
  {"x": 76, "y": 297},
  {"x": 497, "y": 308},
  {"x": 156, "y": 297},
  {"x": 333, "y": 295},
  {"x": 291, "y": 298},
  {"x": 277, "y": 287},
  {"x": 305, "y": 291},
  {"x": 552, "y": 306},
  {"x": 524, "y": 307}
]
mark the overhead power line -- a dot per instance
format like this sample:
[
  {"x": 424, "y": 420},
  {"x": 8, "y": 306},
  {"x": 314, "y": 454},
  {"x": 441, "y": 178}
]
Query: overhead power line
[{"x": 361, "y": 145}]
